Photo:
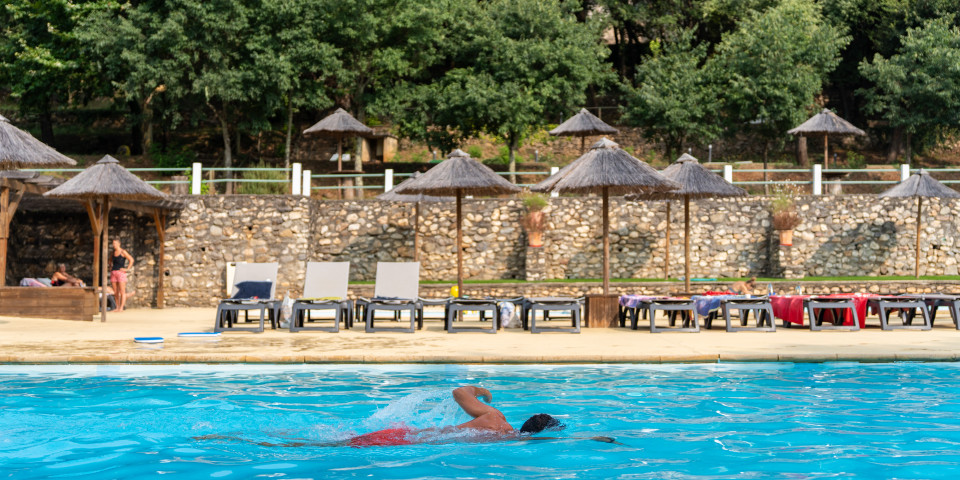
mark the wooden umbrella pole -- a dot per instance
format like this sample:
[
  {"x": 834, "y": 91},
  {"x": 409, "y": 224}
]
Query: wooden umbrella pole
[
  {"x": 686, "y": 242},
  {"x": 416, "y": 232},
  {"x": 919, "y": 211},
  {"x": 459, "y": 245},
  {"x": 826, "y": 155},
  {"x": 105, "y": 222},
  {"x": 606, "y": 242},
  {"x": 583, "y": 144},
  {"x": 339, "y": 166},
  {"x": 666, "y": 253}
]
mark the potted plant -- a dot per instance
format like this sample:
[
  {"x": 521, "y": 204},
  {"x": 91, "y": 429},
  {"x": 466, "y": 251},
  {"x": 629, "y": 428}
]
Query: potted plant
[
  {"x": 535, "y": 220},
  {"x": 783, "y": 208}
]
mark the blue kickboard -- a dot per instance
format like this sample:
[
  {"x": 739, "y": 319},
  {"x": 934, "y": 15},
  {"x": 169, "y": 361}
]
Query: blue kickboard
[{"x": 148, "y": 339}]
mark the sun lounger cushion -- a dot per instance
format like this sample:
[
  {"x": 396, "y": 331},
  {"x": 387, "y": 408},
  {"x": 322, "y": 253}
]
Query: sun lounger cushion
[
  {"x": 32, "y": 282},
  {"x": 259, "y": 290}
]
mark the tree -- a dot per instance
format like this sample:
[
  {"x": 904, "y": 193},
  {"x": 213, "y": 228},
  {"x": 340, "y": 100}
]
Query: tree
[
  {"x": 918, "y": 88},
  {"x": 674, "y": 99},
  {"x": 41, "y": 57},
  {"x": 522, "y": 62},
  {"x": 771, "y": 68}
]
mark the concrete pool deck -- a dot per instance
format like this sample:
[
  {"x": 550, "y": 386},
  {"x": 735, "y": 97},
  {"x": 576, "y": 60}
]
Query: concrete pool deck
[{"x": 39, "y": 341}]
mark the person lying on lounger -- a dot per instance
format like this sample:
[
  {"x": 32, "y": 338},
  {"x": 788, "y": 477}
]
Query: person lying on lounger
[
  {"x": 61, "y": 278},
  {"x": 744, "y": 288},
  {"x": 488, "y": 425}
]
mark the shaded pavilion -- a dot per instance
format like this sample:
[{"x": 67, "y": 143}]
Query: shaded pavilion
[
  {"x": 920, "y": 185},
  {"x": 583, "y": 125},
  {"x": 606, "y": 170},
  {"x": 97, "y": 186},
  {"x": 457, "y": 176},
  {"x": 826, "y": 123},
  {"x": 339, "y": 125},
  {"x": 19, "y": 149},
  {"x": 696, "y": 182},
  {"x": 416, "y": 200}
]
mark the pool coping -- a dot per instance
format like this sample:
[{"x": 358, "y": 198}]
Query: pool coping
[{"x": 179, "y": 358}]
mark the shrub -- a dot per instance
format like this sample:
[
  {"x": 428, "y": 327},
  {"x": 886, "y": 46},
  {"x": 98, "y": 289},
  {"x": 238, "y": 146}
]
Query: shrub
[
  {"x": 178, "y": 157},
  {"x": 260, "y": 187},
  {"x": 534, "y": 202},
  {"x": 783, "y": 207},
  {"x": 475, "y": 151},
  {"x": 855, "y": 160}
]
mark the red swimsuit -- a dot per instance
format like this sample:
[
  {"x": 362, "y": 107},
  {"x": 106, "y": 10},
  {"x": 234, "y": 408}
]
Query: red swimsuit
[{"x": 390, "y": 436}]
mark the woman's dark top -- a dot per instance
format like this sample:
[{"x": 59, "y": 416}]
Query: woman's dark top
[
  {"x": 119, "y": 261},
  {"x": 56, "y": 283}
]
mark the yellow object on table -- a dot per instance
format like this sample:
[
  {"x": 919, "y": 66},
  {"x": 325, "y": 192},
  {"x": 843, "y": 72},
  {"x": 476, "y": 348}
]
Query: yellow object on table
[{"x": 454, "y": 291}]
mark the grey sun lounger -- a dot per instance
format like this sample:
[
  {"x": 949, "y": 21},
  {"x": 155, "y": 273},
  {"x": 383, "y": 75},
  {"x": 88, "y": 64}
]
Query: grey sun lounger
[
  {"x": 397, "y": 290},
  {"x": 324, "y": 288},
  {"x": 530, "y": 306},
  {"x": 673, "y": 308},
  {"x": 762, "y": 312},
  {"x": 228, "y": 310}
]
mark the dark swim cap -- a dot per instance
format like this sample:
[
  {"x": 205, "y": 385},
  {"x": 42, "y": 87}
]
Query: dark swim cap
[{"x": 539, "y": 422}]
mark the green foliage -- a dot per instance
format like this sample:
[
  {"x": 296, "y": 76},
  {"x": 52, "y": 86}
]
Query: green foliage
[
  {"x": 271, "y": 187},
  {"x": 918, "y": 88},
  {"x": 783, "y": 207},
  {"x": 772, "y": 66},
  {"x": 475, "y": 151},
  {"x": 534, "y": 202},
  {"x": 674, "y": 100},
  {"x": 173, "y": 158},
  {"x": 855, "y": 159}
]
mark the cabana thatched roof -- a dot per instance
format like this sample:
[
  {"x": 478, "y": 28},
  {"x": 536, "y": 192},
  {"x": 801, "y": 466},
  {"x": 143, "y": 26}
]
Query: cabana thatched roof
[
  {"x": 920, "y": 184},
  {"x": 19, "y": 149},
  {"x": 393, "y": 196},
  {"x": 606, "y": 165},
  {"x": 583, "y": 124},
  {"x": 458, "y": 174},
  {"x": 106, "y": 177},
  {"x": 826, "y": 122},
  {"x": 695, "y": 181},
  {"x": 339, "y": 124}
]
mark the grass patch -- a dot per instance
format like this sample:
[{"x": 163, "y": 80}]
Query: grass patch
[{"x": 676, "y": 280}]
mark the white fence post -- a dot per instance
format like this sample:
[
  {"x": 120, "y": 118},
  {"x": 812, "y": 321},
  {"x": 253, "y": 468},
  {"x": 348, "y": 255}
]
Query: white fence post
[
  {"x": 817, "y": 179},
  {"x": 553, "y": 171},
  {"x": 306, "y": 183},
  {"x": 195, "y": 177},
  {"x": 296, "y": 179},
  {"x": 388, "y": 180},
  {"x": 728, "y": 173},
  {"x": 904, "y": 172}
]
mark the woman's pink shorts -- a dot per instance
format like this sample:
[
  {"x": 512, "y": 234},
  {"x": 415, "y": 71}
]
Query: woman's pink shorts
[{"x": 118, "y": 276}]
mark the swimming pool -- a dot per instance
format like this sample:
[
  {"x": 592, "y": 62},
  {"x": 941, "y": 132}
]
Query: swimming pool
[{"x": 677, "y": 421}]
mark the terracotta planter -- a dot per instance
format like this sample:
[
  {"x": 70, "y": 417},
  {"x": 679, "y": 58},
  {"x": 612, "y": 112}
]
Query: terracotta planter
[
  {"x": 535, "y": 239},
  {"x": 786, "y": 238}
]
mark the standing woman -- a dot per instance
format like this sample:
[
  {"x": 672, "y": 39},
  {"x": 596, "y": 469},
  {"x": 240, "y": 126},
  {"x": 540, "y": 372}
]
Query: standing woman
[{"x": 122, "y": 260}]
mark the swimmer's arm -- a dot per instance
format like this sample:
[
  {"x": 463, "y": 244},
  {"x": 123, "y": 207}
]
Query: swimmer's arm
[
  {"x": 596, "y": 439},
  {"x": 466, "y": 397}
]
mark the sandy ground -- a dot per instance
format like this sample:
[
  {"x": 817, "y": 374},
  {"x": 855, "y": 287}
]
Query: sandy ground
[{"x": 25, "y": 340}]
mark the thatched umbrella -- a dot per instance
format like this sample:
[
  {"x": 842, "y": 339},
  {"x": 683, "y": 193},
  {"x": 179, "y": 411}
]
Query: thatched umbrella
[
  {"x": 339, "y": 125},
  {"x": 416, "y": 200},
  {"x": 826, "y": 123},
  {"x": 920, "y": 185},
  {"x": 19, "y": 149},
  {"x": 96, "y": 186},
  {"x": 457, "y": 176},
  {"x": 582, "y": 125},
  {"x": 606, "y": 170},
  {"x": 696, "y": 182}
]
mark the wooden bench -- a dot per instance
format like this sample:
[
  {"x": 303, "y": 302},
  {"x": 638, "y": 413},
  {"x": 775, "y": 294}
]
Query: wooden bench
[{"x": 63, "y": 303}]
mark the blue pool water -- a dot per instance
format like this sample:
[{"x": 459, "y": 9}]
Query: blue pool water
[{"x": 841, "y": 420}]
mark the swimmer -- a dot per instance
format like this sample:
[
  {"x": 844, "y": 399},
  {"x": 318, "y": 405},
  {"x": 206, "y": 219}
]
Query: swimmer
[{"x": 488, "y": 425}]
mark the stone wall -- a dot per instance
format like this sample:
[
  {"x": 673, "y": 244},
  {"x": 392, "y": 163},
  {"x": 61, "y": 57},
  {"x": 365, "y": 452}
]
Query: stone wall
[{"x": 839, "y": 236}]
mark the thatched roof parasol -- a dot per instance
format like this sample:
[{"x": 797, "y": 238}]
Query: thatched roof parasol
[
  {"x": 393, "y": 196},
  {"x": 416, "y": 200},
  {"x": 340, "y": 125},
  {"x": 606, "y": 170},
  {"x": 696, "y": 182},
  {"x": 96, "y": 186},
  {"x": 582, "y": 125},
  {"x": 920, "y": 185},
  {"x": 19, "y": 149},
  {"x": 106, "y": 178},
  {"x": 458, "y": 175},
  {"x": 826, "y": 123}
]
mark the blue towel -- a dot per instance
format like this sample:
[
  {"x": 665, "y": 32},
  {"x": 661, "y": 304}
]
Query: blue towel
[{"x": 251, "y": 290}]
